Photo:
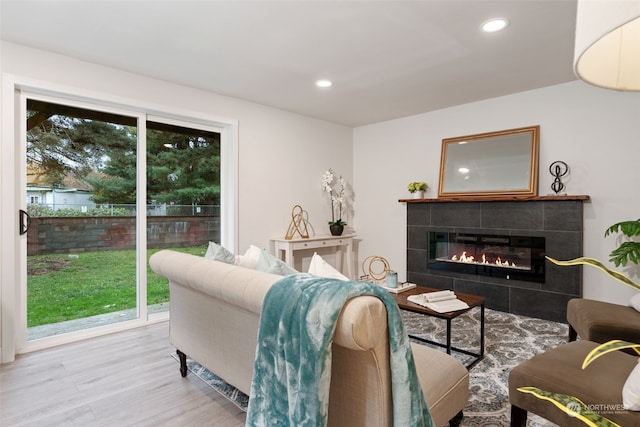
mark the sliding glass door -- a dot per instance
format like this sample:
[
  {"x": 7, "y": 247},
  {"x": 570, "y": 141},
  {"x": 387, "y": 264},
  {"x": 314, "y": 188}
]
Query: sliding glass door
[
  {"x": 183, "y": 192},
  {"x": 104, "y": 189},
  {"x": 81, "y": 187}
]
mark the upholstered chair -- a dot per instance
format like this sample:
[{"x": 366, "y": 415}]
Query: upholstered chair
[{"x": 600, "y": 321}]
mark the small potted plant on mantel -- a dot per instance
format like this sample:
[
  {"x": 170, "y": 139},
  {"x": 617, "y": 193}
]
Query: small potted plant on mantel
[{"x": 417, "y": 189}]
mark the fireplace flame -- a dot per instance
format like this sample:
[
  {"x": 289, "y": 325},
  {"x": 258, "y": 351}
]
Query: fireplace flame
[{"x": 472, "y": 260}]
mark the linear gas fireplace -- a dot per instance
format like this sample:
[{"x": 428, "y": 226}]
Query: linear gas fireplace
[
  {"x": 504, "y": 256},
  {"x": 496, "y": 248}
]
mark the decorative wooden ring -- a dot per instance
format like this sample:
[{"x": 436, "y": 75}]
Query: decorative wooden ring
[{"x": 367, "y": 267}]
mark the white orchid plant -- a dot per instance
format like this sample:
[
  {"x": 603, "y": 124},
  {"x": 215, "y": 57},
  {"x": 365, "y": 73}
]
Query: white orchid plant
[{"x": 335, "y": 188}]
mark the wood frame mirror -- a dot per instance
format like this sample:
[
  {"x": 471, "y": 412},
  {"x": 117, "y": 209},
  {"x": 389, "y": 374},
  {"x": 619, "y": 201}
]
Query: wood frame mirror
[{"x": 503, "y": 163}]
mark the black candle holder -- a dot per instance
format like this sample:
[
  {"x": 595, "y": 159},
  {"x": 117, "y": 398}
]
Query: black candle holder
[{"x": 558, "y": 169}]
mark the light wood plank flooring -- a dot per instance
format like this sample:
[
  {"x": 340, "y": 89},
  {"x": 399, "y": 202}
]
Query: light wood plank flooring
[{"x": 124, "y": 379}]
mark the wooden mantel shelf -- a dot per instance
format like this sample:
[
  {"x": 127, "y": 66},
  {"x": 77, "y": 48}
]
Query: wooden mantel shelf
[{"x": 583, "y": 198}]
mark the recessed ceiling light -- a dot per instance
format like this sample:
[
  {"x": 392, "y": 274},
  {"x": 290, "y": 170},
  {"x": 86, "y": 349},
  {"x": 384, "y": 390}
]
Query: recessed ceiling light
[
  {"x": 494, "y": 24},
  {"x": 324, "y": 83}
]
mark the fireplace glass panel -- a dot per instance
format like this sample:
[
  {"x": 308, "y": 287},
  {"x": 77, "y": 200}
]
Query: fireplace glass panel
[{"x": 510, "y": 257}]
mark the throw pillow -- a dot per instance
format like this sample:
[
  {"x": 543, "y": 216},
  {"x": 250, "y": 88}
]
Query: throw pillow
[
  {"x": 320, "y": 267},
  {"x": 219, "y": 253},
  {"x": 631, "y": 390},
  {"x": 271, "y": 264},
  {"x": 635, "y": 301},
  {"x": 250, "y": 257}
]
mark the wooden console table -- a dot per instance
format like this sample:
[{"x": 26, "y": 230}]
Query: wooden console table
[{"x": 288, "y": 247}]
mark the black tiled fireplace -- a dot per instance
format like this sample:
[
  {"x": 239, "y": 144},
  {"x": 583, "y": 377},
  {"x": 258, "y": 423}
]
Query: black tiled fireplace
[{"x": 497, "y": 248}]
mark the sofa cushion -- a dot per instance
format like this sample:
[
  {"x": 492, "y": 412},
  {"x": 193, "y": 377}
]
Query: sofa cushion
[
  {"x": 320, "y": 267},
  {"x": 271, "y": 264},
  {"x": 219, "y": 253},
  {"x": 250, "y": 257},
  {"x": 445, "y": 382},
  {"x": 631, "y": 390},
  {"x": 635, "y": 301}
]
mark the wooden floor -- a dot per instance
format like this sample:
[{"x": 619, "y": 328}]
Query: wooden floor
[{"x": 124, "y": 379}]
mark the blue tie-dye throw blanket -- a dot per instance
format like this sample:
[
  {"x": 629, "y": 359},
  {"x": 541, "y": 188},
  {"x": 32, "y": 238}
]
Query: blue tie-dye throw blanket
[{"x": 292, "y": 371}]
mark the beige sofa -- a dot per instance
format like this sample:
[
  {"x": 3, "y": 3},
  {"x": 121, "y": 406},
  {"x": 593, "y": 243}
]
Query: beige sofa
[{"x": 215, "y": 313}]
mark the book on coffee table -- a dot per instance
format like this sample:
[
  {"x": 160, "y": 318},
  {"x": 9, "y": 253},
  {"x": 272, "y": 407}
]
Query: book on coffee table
[{"x": 440, "y": 301}]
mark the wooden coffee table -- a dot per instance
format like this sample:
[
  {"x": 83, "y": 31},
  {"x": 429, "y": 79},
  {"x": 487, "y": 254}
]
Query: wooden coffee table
[{"x": 471, "y": 300}]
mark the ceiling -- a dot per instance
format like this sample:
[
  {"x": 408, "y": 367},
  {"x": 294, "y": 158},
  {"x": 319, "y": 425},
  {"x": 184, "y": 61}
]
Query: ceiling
[{"x": 387, "y": 59}]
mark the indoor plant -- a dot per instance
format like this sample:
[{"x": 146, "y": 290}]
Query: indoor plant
[
  {"x": 417, "y": 188},
  {"x": 335, "y": 189}
]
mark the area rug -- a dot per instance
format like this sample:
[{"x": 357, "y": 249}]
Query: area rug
[
  {"x": 236, "y": 397},
  {"x": 509, "y": 340}
]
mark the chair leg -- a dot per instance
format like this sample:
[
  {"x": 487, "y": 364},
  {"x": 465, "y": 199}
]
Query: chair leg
[
  {"x": 518, "y": 417},
  {"x": 572, "y": 334},
  {"x": 456, "y": 420},
  {"x": 183, "y": 363}
]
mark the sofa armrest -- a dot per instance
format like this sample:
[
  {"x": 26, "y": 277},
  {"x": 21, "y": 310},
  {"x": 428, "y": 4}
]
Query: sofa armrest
[{"x": 362, "y": 323}]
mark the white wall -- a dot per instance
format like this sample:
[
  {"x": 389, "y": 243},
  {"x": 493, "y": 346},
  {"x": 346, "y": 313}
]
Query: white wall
[{"x": 595, "y": 131}]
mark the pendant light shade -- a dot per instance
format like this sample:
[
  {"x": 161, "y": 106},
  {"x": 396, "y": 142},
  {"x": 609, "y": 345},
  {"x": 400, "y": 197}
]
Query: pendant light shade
[{"x": 607, "y": 45}]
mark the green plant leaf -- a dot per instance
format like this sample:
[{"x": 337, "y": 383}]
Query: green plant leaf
[
  {"x": 608, "y": 347},
  {"x": 626, "y": 252},
  {"x": 628, "y": 228},
  {"x": 572, "y": 406},
  {"x": 595, "y": 263}
]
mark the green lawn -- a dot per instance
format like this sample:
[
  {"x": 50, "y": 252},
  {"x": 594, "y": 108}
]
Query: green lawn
[{"x": 61, "y": 287}]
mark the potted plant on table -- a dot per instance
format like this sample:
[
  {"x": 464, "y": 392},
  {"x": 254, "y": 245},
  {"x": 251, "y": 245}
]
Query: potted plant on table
[
  {"x": 335, "y": 189},
  {"x": 417, "y": 188}
]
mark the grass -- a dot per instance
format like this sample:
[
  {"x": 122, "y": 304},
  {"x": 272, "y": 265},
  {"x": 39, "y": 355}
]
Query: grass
[{"x": 62, "y": 287}]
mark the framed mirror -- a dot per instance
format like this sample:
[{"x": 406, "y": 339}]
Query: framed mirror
[{"x": 503, "y": 163}]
